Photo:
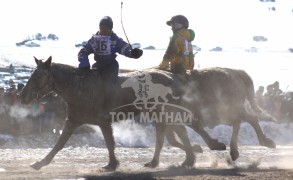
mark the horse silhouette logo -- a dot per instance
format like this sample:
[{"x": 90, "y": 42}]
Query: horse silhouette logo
[{"x": 148, "y": 92}]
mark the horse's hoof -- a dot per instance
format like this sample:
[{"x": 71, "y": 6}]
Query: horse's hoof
[
  {"x": 111, "y": 166},
  {"x": 188, "y": 163},
  {"x": 216, "y": 145},
  {"x": 234, "y": 154},
  {"x": 221, "y": 146},
  {"x": 197, "y": 148},
  {"x": 151, "y": 164},
  {"x": 36, "y": 166},
  {"x": 268, "y": 143}
]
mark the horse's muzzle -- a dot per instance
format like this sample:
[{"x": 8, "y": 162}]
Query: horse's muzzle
[{"x": 25, "y": 98}]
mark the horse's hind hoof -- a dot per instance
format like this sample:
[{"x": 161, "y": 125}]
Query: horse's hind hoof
[
  {"x": 36, "y": 166},
  {"x": 152, "y": 164},
  {"x": 216, "y": 145},
  {"x": 268, "y": 143},
  {"x": 234, "y": 154},
  {"x": 111, "y": 166},
  {"x": 188, "y": 164}
]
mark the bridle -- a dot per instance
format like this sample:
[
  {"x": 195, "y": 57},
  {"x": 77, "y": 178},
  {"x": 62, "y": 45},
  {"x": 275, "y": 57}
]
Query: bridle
[{"x": 40, "y": 93}]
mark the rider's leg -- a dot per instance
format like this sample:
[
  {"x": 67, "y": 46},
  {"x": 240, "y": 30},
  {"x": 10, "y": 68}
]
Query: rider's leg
[
  {"x": 179, "y": 70},
  {"x": 110, "y": 77}
]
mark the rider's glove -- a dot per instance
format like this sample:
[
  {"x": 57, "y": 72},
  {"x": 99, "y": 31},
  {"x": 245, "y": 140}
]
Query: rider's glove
[
  {"x": 136, "y": 53},
  {"x": 84, "y": 63}
]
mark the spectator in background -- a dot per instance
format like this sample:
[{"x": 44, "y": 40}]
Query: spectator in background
[
  {"x": 259, "y": 96},
  {"x": 276, "y": 88},
  {"x": 273, "y": 100},
  {"x": 5, "y": 123},
  {"x": 10, "y": 97},
  {"x": 19, "y": 88},
  {"x": 268, "y": 99},
  {"x": 11, "y": 69},
  {"x": 2, "y": 91},
  {"x": 2, "y": 104}
]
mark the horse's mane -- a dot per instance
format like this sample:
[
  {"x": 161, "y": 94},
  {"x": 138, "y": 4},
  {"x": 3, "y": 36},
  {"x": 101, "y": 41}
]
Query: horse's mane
[
  {"x": 70, "y": 72},
  {"x": 62, "y": 69}
]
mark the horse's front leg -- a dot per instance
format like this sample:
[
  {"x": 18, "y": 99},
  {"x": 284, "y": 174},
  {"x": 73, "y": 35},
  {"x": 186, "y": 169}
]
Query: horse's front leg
[
  {"x": 234, "y": 140},
  {"x": 68, "y": 129},
  {"x": 190, "y": 157},
  {"x": 110, "y": 143},
  {"x": 170, "y": 136},
  {"x": 160, "y": 133}
]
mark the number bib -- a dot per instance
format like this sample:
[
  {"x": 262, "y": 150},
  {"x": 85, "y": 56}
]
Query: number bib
[{"x": 101, "y": 45}]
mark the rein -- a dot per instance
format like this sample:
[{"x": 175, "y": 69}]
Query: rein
[{"x": 36, "y": 96}]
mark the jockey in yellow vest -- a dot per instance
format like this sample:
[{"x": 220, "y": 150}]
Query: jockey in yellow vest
[{"x": 179, "y": 55}]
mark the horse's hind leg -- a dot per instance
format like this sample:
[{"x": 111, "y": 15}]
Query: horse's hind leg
[
  {"x": 263, "y": 140},
  {"x": 110, "y": 143},
  {"x": 190, "y": 157},
  {"x": 68, "y": 129},
  {"x": 170, "y": 136},
  {"x": 212, "y": 143},
  {"x": 160, "y": 133}
]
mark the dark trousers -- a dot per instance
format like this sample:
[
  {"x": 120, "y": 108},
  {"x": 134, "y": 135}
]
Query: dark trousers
[
  {"x": 108, "y": 72},
  {"x": 178, "y": 68},
  {"x": 109, "y": 75}
]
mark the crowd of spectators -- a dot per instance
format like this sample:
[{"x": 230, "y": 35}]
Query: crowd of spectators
[
  {"x": 44, "y": 115},
  {"x": 276, "y": 102}
]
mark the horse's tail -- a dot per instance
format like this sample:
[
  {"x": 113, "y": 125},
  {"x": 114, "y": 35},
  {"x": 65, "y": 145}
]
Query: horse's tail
[{"x": 250, "y": 96}]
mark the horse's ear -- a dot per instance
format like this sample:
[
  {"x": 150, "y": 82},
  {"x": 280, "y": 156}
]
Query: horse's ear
[
  {"x": 37, "y": 61},
  {"x": 48, "y": 62}
]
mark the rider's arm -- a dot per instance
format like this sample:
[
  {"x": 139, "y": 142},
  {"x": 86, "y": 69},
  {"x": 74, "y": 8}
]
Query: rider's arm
[
  {"x": 83, "y": 54},
  {"x": 122, "y": 47},
  {"x": 171, "y": 49},
  {"x": 125, "y": 49}
]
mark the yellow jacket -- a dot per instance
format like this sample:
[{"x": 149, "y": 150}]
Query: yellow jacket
[{"x": 180, "y": 49}]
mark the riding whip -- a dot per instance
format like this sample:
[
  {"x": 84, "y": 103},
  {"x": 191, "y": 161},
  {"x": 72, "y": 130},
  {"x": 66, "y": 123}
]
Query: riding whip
[{"x": 123, "y": 27}]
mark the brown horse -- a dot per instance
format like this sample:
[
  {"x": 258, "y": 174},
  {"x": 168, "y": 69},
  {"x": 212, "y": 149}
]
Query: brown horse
[
  {"x": 224, "y": 96},
  {"x": 211, "y": 95},
  {"x": 84, "y": 92},
  {"x": 220, "y": 96}
]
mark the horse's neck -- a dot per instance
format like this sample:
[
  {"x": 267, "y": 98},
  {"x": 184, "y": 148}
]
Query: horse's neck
[
  {"x": 65, "y": 80},
  {"x": 74, "y": 85}
]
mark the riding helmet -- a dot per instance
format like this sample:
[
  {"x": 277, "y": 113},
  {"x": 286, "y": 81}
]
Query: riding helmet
[
  {"x": 107, "y": 22},
  {"x": 180, "y": 19}
]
